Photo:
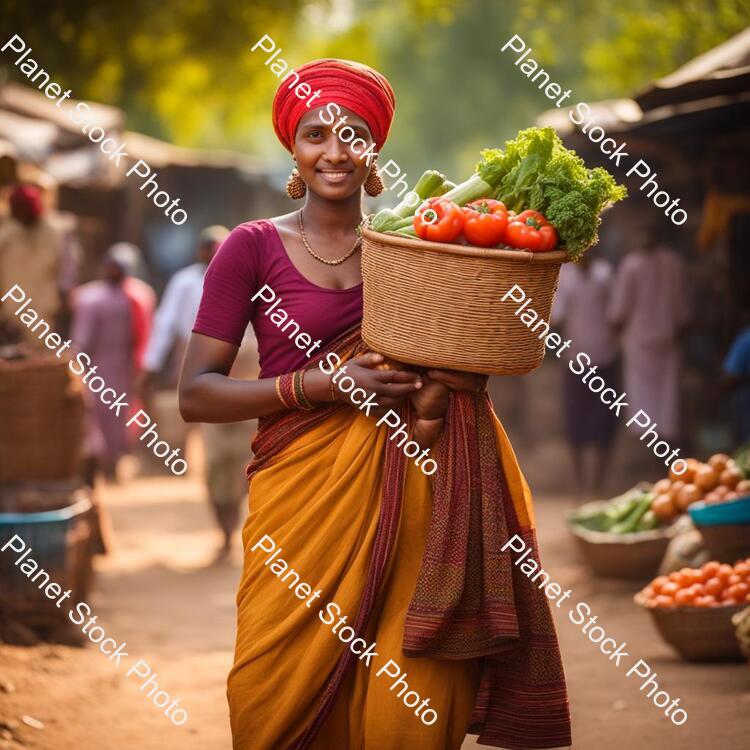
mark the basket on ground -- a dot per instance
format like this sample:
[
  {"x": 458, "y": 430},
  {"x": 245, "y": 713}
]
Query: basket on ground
[
  {"x": 725, "y": 528},
  {"x": 60, "y": 544},
  {"x": 440, "y": 305},
  {"x": 41, "y": 412},
  {"x": 698, "y": 633}
]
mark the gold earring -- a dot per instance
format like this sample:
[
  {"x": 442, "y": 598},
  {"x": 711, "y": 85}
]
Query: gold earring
[
  {"x": 374, "y": 184},
  {"x": 295, "y": 186}
]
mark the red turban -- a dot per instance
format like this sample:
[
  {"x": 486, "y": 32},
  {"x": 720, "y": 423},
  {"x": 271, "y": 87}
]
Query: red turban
[
  {"x": 351, "y": 85},
  {"x": 26, "y": 204}
]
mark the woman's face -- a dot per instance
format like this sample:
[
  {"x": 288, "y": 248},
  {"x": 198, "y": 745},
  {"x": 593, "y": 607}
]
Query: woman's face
[{"x": 329, "y": 167}]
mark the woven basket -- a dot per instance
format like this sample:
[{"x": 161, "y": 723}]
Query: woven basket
[
  {"x": 699, "y": 634},
  {"x": 434, "y": 304},
  {"x": 633, "y": 557},
  {"x": 728, "y": 542},
  {"x": 60, "y": 541},
  {"x": 41, "y": 413}
]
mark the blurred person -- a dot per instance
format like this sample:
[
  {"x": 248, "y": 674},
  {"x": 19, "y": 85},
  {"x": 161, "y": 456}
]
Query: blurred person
[
  {"x": 649, "y": 309},
  {"x": 102, "y": 327},
  {"x": 141, "y": 294},
  {"x": 225, "y": 445},
  {"x": 736, "y": 380},
  {"x": 580, "y": 310},
  {"x": 32, "y": 255}
]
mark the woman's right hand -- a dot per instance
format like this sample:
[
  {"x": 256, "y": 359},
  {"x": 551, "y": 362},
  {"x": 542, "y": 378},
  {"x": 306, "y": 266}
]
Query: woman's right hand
[{"x": 391, "y": 387}]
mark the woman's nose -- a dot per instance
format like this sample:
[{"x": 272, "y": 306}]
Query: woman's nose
[{"x": 336, "y": 151}]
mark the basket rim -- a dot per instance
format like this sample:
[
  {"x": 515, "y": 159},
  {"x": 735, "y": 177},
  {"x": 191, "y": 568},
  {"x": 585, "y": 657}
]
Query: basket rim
[
  {"x": 554, "y": 256},
  {"x": 686, "y": 611}
]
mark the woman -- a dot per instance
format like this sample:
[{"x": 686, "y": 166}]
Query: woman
[{"x": 412, "y": 562}]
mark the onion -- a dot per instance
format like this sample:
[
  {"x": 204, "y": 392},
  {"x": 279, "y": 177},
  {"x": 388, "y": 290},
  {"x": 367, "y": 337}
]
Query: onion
[{"x": 706, "y": 478}]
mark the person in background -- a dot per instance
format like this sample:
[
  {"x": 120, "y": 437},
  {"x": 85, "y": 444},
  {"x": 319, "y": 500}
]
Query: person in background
[
  {"x": 225, "y": 445},
  {"x": 102, "y": 327},
  {"x": 649, "y": 308},
  {"x": 736, "y": 379},
  {"x": 580, "y": 310},
  {"x": 31, "y": 254},
  {"x": 141, "y": 295}
]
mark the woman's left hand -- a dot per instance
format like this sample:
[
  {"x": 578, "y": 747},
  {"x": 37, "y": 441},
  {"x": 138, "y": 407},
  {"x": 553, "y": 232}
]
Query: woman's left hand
[{"x": 459, "y": 381}]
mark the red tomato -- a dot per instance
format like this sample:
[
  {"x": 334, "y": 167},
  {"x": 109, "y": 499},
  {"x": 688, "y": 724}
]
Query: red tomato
[
  {"x": 684, "y": 598},
  {"x": 530, "y": 230},
  {"x": 438, "y": 220},
  {"x": 670, "y": 589},
  {"x": 666, "y": 602},
  {"x": 485, "y": 222},
  {"x": 713, "y": 586},
  {"x": 739, "y": 591},
  {"x": 657, "y": 583}
]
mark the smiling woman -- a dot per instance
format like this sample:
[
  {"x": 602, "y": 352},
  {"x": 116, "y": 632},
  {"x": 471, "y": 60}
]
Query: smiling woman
[{"x": 345, "y": 502}]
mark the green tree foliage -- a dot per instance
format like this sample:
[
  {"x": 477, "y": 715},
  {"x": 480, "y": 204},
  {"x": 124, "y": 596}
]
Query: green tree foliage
[{"x": 182, "y": 69}]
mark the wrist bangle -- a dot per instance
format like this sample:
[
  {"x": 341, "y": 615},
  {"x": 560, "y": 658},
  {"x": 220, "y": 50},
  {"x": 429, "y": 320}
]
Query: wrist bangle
[
  {"x": 332, "y": 389},
  {"x": 284, "y": 391},
  {"x": 299, "y": 391}
]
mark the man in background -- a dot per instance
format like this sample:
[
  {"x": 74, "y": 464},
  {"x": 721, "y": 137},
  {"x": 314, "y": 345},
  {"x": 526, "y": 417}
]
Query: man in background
[
  {"x": 649, "y": 307},
  {"x": 227, "y": 446},
  {"x": 580, "y": 310},
  {"x": 31, "y": 255}
]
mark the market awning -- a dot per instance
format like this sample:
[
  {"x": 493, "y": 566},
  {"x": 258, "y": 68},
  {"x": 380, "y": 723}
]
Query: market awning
[{"x": 722, "y": 71}]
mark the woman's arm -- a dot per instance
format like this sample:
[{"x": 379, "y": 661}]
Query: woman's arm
[{"x": 208, "y": 394}]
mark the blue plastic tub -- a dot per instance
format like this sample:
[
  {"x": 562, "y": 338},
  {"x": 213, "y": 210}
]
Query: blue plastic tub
[
  {"x": 719, "y": 514},
  {"x": 60, "y": 544}
]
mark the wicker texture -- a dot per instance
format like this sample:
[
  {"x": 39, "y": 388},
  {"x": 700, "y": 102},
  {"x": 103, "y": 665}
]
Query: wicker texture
[
  {"x": 629, "y": 556},
  {"x": 728, "y": 542},
  {"x": 41, "y": 412},
  {"x": 61, "y": 545},
  {"x": 439, "y": 305},
  {"x": 699, "y": 634}
]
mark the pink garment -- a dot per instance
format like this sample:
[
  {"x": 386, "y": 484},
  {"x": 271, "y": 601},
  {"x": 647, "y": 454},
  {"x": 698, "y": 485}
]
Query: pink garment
[
  {"x": 580, "y": 309},
  {"x": 102, "y": 328},
  {"x": 143, "y": 299},
  {"x": 254, "y": 255},
  {"x": 650, "y": 301}
]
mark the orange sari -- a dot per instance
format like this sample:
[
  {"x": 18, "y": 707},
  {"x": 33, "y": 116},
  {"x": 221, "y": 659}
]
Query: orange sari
[{"x": 414, "y": 564}]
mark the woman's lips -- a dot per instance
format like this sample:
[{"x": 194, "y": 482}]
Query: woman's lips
[{"x": 334, "y": 176}]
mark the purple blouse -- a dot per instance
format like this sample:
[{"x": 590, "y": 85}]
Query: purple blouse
[{"x": 254, "y": 255}]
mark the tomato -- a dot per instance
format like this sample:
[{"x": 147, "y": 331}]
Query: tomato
[
  {"x": 670, "y": 588},
  {"x": 485, "y": 222},
  {"x": 711, "y": 568},
  {"x": 742, "y": 569},
  {"x": 713, "y": 586},
  {"x": 664, "y": 601},
  {"x": 531, "y": 231},
  {"x": 739, "y": 591},
  {"x": 648, "y": 592},
  {"x": 724, "y": 572},
  {"x": 734, "y": 579},
  {"x": 657, "y": 583},
  {"x": 684, "y": 598},
  {"x": 438, "y": 220}
]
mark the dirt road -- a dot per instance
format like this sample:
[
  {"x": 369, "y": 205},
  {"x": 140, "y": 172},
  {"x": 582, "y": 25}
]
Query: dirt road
[{"x": 160, "y": 594}]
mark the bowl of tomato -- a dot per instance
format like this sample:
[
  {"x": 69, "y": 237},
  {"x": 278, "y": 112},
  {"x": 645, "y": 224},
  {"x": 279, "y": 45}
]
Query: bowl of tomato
[{"x": 692, "y": 609}]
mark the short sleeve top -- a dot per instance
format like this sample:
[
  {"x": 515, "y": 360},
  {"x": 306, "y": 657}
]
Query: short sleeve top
[{"x": 253, "y": 262}]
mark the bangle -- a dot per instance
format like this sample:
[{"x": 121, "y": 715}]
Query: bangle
[
  {"x": 284, "y": 391},
  {"x": 291, "y": 392},
  {"x": 332, "y": 389},
  {"x": 299, "y": 391}
]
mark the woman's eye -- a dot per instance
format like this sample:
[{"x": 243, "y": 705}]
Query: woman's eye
[{"x": 314, "y": 134}]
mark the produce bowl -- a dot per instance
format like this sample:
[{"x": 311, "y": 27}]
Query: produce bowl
[
  {"x": 725, "y": 528},
  {"x": 698, "y": 634},
  {"x": 716, "y": 514},
  {"x": 435, "y": 304}
]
